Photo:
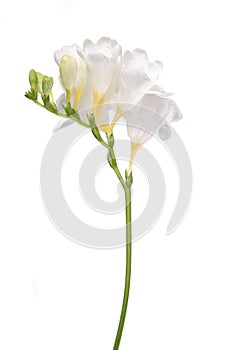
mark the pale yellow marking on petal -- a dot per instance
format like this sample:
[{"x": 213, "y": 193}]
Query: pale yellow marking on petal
[
  {"x": 117, "y": 116},
  {"x": 134, "y": 148},
  {"x": 77, "y": 96},
  {"x": 96, "y": 99},
  {"x": 68, "y": 96},
  {"x": 106, "y": 128}
]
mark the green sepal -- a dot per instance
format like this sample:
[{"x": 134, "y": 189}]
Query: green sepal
[
  {"x": 31, "y": 95},
  {"x": 91, "y": 119},
  {"x": 128, "y": 178},
  {"x": 46, "y": 101},
  {"x": 111, "y": 161},
  {"x": 94, "y": 128},
  {"x": 68, "y": 109},
  {"x": 51, "y": 107},
  {"x": 110, "y": 140},
  {"x": 96, "y": 133}
]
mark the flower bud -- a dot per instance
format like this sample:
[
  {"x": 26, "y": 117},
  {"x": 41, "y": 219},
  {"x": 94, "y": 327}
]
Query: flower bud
[
  {"x": 33, "y": 79},
  {"x": 68, "y": 72},
  {"x": 47, "y": 84}
]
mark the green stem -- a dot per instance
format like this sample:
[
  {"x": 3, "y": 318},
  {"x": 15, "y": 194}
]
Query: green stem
[
  {"x": 79, "y": 121},
  {"x": 128, "y": 267},
  {"x": 116, "y": 169},
  {"x": 127, "y": 188}
]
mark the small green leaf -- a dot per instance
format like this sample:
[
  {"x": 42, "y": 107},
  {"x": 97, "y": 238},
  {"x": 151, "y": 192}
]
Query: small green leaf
[
  {"x": 111, "y": 161},
  {"x": 96, "y": 133},
  {"x": 31, "y": 95},
  {"x": 68, "y": 109},
  {"x": 52, "y": 108}
]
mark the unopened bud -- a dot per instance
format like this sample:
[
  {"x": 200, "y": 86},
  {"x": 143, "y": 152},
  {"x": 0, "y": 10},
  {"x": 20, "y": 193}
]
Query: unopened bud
[
  {"x": 47, "y": 84},
  {"x": 68, "y": 72},
  {"x": 33, "y": 79}
]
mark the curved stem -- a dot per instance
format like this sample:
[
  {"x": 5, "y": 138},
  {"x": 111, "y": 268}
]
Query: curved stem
[
  {"x": 77, "y": 120},
  {"x": 128, "y": 267}
]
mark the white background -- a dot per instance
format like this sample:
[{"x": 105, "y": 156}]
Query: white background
[{"x": 55, "y": 294}]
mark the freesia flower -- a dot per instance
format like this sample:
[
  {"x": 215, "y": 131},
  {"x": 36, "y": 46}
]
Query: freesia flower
[
  {"x": 103, "y": 61},
  {"x": 138, "y": 76},
  {"x": 73, "y": 72},
  {"x": 145, "y": 119},
  {"x": 100, "y": 87}
]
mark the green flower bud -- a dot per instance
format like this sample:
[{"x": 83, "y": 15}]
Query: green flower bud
[
  {"x": 33, "y": 79},
  {"x": 47, "y": 84},
  {"x": 39, "y": 82}
]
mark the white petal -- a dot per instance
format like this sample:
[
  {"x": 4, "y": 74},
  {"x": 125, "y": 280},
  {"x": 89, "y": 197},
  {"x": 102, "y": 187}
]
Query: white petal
[
  {"x": 102, "y": 71},
  {"x": 145, "y": 119},
  {"x": 85, "y": 103},
  {"x": 66, "y": 50},
  {"x": 153, "y": 70},
  {"x": 138, "y": 76},
  {"x": 103, "y": 59},
  {"x": 105, "y": 42},
  {"x": 157, "y": 90},
  {"x": 88, "y": 46},
  {"x": 108, "y": 47},
  {"x": 127, "y": 58},
  {"x": 141, "y": 56},
  {"x": 173, "y": 114},
  {"x": 134, "y": 86},
  {"x": 106, "y": 113}
]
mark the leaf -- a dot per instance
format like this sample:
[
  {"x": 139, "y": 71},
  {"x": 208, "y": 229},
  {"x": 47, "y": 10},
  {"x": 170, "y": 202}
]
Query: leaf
[{"x": 31, "y": 95}]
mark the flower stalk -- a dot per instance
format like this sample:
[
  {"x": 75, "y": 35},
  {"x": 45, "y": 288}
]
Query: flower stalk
[
  {"x": 127, "y": 185},
  {"x": 128, "y": 267}
]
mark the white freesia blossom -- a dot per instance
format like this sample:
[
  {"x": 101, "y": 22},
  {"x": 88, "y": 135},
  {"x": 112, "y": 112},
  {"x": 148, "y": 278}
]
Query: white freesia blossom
[
  {"x": 73, "y": 72},
  {"x": 145, "y": 119},
  {"x": 138, "y": 76},
  {"x": 99, "y": 80},
  {"x": 103, "y": 61}
]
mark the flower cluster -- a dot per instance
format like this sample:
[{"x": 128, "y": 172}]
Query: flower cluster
[{"x": 101, "y": 81}]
